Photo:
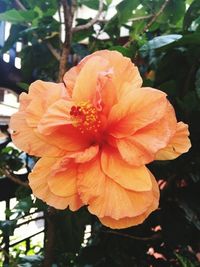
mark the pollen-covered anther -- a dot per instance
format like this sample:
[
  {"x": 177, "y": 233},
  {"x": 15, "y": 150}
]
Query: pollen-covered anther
[{"x": 85, "y": 117}]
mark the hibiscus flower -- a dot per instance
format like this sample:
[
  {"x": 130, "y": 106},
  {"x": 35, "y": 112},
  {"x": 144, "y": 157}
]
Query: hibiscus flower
[{"x": 94, "y": 133}]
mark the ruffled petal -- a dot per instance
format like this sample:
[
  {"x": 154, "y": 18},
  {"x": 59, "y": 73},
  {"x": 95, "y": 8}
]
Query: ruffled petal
[
  {"x": 24, "y": 100},
  {"x": 105, "y": 84},
  {"x": 136, "y": 110},
  {"x": 38, "y": 181},
  {"x": 85, "y": 155},
  {"x": 142, "y": 146},
  {"x": 178, "y": 144},
  {"x": 91, "y": 180},
  {"x": 67, "y": 137},
  {"x": 70, "y": 78},
  {"x": 62, "y": 182},
  {"x": 42, "y": 95},
  {"x": 106, "y": 198},
  {"x": 57, "y": 114},
  {"x": 117, "y": 202},
  {"x": 25, "y": 138},
  {"x": 124, "y": 71},
  {"x": 128, "y": 222},
  {"x": 56, "y": 127},
  {"x": 86, "y": 85},
  {"x": 129, "y": 177}
]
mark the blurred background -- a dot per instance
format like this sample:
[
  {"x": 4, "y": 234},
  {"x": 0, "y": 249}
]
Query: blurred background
[{"x": 41, "y": 40}]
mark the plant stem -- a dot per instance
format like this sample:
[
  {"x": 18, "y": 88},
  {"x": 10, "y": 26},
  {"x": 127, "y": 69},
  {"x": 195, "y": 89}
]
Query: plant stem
[{"x": 50, "y": 238}]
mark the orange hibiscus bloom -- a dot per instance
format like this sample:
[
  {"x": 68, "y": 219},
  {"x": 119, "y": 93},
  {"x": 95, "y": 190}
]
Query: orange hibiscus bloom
[{"x": 95, "y": 133}]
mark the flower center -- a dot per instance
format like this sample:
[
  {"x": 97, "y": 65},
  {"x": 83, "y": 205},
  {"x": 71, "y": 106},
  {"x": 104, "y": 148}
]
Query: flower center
[{"x": 85, "y": 117}]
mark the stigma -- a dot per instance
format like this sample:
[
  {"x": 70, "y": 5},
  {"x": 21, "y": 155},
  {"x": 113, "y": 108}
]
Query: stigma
[{"x": 85, "y": 117}]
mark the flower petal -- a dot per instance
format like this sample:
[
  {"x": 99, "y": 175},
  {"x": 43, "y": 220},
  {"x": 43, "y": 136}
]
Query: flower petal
[
  {"x": 178, "y": 144},
  {"x": 70, "y": 78},
  {"x": 124, "y": 71},
  {"x": 86, "y": 155},
  {"x": 62, "y": 181},
  {"x": 56, "y": 127},
  {"x": 91, "y": 180},
  {"x": 121, "y": 67},
  {"x": 67, "y": 137},
  {"x": 142, "y": 146},
  {"x": 87, "y": 80},
  {"x": 129, "y": 177},
  {"x": 56, "y": 115},
  {"x": 39, "y": 184},
  {"x": 107, "y": 198},
  {"x": 24, "y": 100},
  {"x": 128, "y": 222},
  {"x": 25, "y": 138},
  {"x": 136, "y": 110},
  {"x": 42, "y": 95}
]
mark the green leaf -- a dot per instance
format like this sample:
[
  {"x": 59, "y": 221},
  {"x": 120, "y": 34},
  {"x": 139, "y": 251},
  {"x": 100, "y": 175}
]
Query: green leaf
[
  {"x": 125, "y": 10},
  {"x": 22, "y": 192},
  {"x": 197, "y": 83},
  {"x": 108, "y": 2},
  {"x": 8, "y": 227},
  {"x": 80, "y": 49},
  {"x": 125, "y": 51},
  {"x": 18, "y": 16},
  {"x": 93, "y": 4},
  {"x": 13, "y": 37},
  {"x": 158, "y": 42},
  {"x": 173, "y": 12},
  {"x": 192, "y": 14},
  {"x": 188, "y": 39},
  {"x": 31, "y": 261},
  {"x": 81, "y": 35},
  {"x": 185, "y": 262},
  {"x": 24, "y": 86},
  {"x": 24, "y": 205}
]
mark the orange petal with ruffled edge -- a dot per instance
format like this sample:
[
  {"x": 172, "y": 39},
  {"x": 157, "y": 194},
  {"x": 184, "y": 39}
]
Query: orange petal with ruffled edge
[
  {"x": 117, "y": 64},
  {"x": 85, "y": 155},
  {"x": 128, "y": 222},
  {"x": 178, "y": 144},
  {"x": 27, "y": 140},
  {"x": 56, "y": 126},
  {"x": 129, "y": 177},
  {"x": 124, "y": 71},
  {"x": 62, "y": 182},
  {"x": 136, "y": 110},
  {"x": 42, "y": 95},
  {"x": 86, "y": 84},
  {"x": 70, "y": 78},
  {"x": 38, "y": 181},
  {"x": 106, "y": 198},
  {"x": 24, "y": 100},
  {"x": 57, "y": 114},
  {"x": 142, "y": 146}
]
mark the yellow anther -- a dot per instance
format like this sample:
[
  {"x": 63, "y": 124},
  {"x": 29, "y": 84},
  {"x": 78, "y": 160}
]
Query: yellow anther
[{"x": 85, "y": 117}]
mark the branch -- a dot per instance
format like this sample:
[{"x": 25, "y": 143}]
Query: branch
[
  {"x": 156, "y": 15},
  {"x": 14, "y": 178},
  {"x": 50, "y": 238},
  {"x": 92, "y": 21},
  {"x": 53, "y": 51},
  {"x": 142, "y": 17},
  {"x": 68, "y": 10},
  {"x": 20, "y": 5},
  {"x": 153, "y": 237}
]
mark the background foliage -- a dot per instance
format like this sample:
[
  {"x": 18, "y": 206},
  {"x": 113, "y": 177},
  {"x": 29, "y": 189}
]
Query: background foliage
[{"x": 164, "y": 42}]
